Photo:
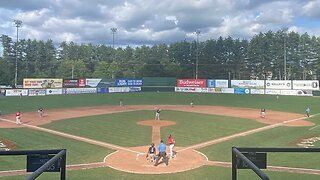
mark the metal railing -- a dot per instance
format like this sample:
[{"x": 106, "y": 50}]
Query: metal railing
[
  {"x": 59, "y": 154},
  {"x": 237, "y": 154}
]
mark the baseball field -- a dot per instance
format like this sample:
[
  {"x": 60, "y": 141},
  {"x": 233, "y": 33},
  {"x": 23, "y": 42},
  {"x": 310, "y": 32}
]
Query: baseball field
[{"x": 108, "y": 141}]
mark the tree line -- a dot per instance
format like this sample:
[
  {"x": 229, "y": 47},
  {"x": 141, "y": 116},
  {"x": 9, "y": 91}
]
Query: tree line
[{"x": 272, "y": 55}]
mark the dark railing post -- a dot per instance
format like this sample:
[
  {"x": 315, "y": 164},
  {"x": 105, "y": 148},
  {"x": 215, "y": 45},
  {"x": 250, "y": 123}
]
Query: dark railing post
[
  {"x": 63, "y": 166},
  {"x": 234, "y": 165}
]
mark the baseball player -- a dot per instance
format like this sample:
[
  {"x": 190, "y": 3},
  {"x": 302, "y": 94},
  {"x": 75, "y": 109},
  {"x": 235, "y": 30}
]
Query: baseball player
[
  {"x": 158, "y": 114},
  {"x": 171, "y": 143},
  {"x": 162, "y": 154},
  {"x": 191, "y": 103},
  {"x": 263, "y": 113},
  {"x": 18, "y": 117},
  {"x": 151, "y": 154},
  {"x": 308, "y": 111},
  {"x": 40, "y": 112},
  {"x": 121, "y": 103}
]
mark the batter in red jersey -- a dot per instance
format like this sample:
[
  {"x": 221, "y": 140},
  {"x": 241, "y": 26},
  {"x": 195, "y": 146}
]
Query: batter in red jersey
[{"x": 171, "y": 143}]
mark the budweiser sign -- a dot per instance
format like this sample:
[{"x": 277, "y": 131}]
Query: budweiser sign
[{"x": 191, "y": 82}]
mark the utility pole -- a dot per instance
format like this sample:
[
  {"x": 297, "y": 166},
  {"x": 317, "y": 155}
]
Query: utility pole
[
  {"x": 197, "y": 55},
  {"x": 18, "y": 24}
]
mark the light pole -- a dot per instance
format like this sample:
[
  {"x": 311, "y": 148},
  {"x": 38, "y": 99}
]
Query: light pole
[
  {"x": 18, "y": 24},
  {"x": 113, "y": 31},
  {"x": 197, "y": 55},
  {"x": 285, "y": 56}
]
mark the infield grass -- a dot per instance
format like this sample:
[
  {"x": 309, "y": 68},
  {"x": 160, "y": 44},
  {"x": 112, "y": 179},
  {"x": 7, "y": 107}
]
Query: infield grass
[{"x": 122, "y": 128}]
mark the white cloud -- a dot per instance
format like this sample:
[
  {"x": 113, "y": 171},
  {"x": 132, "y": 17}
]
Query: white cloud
[{"x": 153, "y": 21}]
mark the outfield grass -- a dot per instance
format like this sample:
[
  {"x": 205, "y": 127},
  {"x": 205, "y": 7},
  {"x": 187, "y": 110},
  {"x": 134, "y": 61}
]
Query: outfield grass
[
  {"x": 24, "y": 138},
  {"x": 284, "y": 103}
]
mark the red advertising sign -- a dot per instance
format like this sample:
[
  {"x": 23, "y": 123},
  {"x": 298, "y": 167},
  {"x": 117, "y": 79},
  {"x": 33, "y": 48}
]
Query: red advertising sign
[
  {"x": 81, "y": 82},
  {"x": 191, "y": 82}
]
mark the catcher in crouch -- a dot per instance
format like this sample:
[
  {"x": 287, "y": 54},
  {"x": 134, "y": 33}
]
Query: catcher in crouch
[{"x": 151, "y": 154}]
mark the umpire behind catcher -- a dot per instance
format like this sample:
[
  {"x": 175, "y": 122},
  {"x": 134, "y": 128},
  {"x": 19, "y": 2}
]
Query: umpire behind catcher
[{"x": 162, "y": 154}]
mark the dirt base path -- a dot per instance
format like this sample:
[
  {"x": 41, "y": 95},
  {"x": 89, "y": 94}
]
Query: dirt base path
[{"x": 133, "y": 159}]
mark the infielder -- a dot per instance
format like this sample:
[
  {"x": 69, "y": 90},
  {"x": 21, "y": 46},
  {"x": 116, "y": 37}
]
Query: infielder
[
  {"x": 158, "y": 114},
  {"x": 263, "y": 113},
  {"x": 18, "y": 117},
  {"x": 308, "y": 111},
  {"x": 40, "y": 112}
]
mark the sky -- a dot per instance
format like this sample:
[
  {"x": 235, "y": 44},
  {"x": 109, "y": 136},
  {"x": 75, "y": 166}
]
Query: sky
[{"x": 149, "y": 22}]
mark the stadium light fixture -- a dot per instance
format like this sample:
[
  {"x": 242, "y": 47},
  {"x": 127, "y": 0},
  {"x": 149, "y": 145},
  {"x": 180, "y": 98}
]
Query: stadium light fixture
[{"x": 18, "y": 23}]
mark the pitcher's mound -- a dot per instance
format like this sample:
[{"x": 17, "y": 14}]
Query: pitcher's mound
[
  {"x": 137, "y": 163},
  {"x": 156, "y": 123}
]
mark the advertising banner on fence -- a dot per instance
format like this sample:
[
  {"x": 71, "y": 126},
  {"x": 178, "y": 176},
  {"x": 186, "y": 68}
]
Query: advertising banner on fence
[
  {"x": 241, "y": 91},
  {"x": 257, "y": 91},
  {"x": 102, "y": 90},
  {"x": 37, "y": 92},
  {"x": 41, "y": 83},
  {"x": 80, "y": 90},
  {"x": 278, "y": 84},
  {"x": 217, "y": 83},
  {"x": 273, "y": 91},
  {"x": 185, "y": 89},
  {"x": 53, "y": 91},
  {"x": 16, "y": 92},
  {"x": 118, "y": 89},
  {"x": 134, "y": 89},
  {"x": 69, "y": 83},
  {"x": 81, "y": 82},
  {"x": 227, "y": 90},
  {"x": 191, "y": 82},
  {"x": 106, "y": 83},
  {"x": 305, "y": 84},
  {"x": 92, "y": 82},
  {"x": 252, "y": 84},
  {"x": 129, "y": 82}
]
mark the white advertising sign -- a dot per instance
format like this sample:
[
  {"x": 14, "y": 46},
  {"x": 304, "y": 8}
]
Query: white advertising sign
[
  {"x": 253, "y": 84},
  {"x": 305, "y": 84},
  {"x": 227, "y": 90},
  {"x": 80, "y": 90},
  {"x": 278, "y": 84},
  {"x": 273, "y": 91},
  {"x": 118, "y": 89},
  {"x": 257, "y": 91},
  {"x": 37, "y": 92},
  {"x": 53, "y": 91},
  {"x": 92, "y": 82},
  {"x": 221, "y": 83},
  {"x": 16, "y": 92}
]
